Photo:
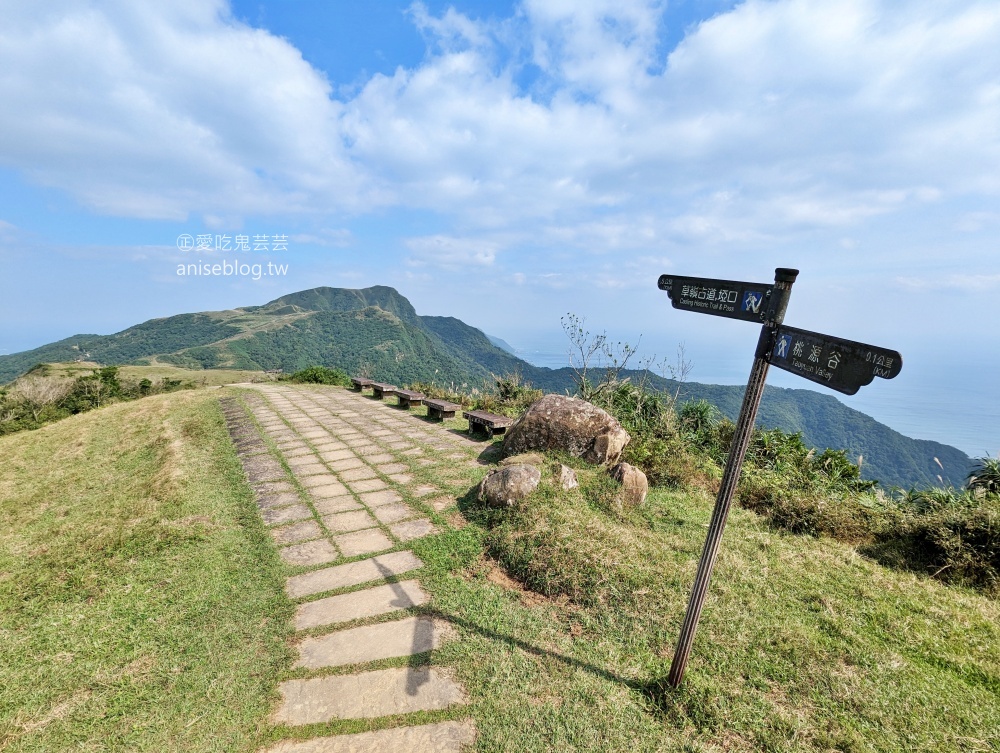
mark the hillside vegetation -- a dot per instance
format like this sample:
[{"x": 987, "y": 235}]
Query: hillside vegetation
[
  {"x": 376, "y": 332},
  {"x": 141, "y": 602}
]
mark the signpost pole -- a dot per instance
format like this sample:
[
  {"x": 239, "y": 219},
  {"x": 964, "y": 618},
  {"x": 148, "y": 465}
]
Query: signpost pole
[{"x": 778, "y": 302}]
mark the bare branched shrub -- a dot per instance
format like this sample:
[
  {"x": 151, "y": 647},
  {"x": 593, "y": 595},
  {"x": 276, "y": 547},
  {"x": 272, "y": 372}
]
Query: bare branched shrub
[{"x": 36, "y": 392}]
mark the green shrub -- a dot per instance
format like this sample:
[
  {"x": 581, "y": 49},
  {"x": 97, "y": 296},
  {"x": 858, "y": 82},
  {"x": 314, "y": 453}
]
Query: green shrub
[
  {"x": 954, "y": 537},
  {"x": 321, "y": 375},
  {"x": 508, "y": 395}
]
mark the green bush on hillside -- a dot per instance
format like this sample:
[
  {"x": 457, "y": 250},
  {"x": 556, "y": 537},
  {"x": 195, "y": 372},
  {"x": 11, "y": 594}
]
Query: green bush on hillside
[
  {"x": 321, "y": 375},
  {"x": 507, "y": 395},
  {"x": 953, "y": 535},
  {"x": 38, "y": 397}
]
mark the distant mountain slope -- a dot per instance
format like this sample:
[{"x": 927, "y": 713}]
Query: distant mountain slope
[
  {"x": 376, "y": 330},
  {"x": 344, "y": 299},
  {"x": 502, "y": 344},
  {"x": 824, "y": 421}
]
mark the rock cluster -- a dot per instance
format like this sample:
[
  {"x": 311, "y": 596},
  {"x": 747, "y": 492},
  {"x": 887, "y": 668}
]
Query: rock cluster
[
  {"x": 558, "y": 422},
  {"x": 566, "y": 424}
]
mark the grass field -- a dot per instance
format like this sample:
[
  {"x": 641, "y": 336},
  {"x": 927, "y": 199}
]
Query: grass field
[
  {"x": 141, "y": 606},
  {"x": 141, "y": 609}
]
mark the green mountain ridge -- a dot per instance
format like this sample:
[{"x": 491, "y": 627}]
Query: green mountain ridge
[{"x": 377, "y": 331}]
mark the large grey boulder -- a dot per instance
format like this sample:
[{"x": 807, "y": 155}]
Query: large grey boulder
[
  {"x": 634, "y": 484},
  {"x": 504, "y": 487},
  {"x": 558, "y": 422}
]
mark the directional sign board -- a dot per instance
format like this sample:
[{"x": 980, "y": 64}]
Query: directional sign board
[
  {"x": 842, "y": 365},
  {"x": 733, "y": 300}
]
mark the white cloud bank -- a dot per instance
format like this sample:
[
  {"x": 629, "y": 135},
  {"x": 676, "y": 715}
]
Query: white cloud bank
[{"x": 774, "y": 119}]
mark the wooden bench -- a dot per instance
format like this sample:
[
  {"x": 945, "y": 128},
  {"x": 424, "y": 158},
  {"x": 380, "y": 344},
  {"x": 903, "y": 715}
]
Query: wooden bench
[
  {"x": 441, "y": 409},
  {"x": 490, "y": 423},
  {"x": 409, "y": 398},
  {"x": 381, "y": 389},
  {"x": 360, "y": 383}
]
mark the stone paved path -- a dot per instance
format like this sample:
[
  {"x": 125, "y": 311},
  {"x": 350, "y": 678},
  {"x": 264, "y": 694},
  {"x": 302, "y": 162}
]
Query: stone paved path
[{"x": 341, "y": 514}]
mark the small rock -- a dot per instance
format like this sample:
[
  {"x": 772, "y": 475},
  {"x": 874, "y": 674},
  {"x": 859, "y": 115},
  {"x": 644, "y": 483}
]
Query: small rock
[
  {"x": 634, "y": 484},
  {"x": 565, "y": 477},
  {"x": 504, "y": 487}
]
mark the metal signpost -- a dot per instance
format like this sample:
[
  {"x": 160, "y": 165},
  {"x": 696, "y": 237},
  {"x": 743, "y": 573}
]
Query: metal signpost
[{"x": 842, "y": 365}]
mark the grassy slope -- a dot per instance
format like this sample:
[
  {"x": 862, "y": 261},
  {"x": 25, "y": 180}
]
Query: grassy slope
[
  {"x": 142, "y": 610},
  {"x": 141, "y": 603},
  {"x": 803, "y": 644}
]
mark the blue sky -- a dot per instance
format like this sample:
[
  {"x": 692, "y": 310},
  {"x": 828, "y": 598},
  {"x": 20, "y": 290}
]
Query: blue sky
[{"x": 507, "y": 163}]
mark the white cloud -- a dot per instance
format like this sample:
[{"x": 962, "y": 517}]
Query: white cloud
[
  {"x": 767, "y": 123},
  {"x": 451, "y": 253},
  {"x": 161, "y": 110}
]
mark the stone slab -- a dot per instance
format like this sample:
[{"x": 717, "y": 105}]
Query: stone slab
[
  {"x": 423, "y": 490},
  {"x": 384, "y": 640},
  {"x": 300, "y": 458},
  {"x": 401, "y": 478},
  {"x": 307, "y": 529},
  {"x": 264, "y": 472},
  {"x": 357, "y": 474},
  {"x": 351, "y": 574},
  {"x": 440, "y": 503},
  {"x": 323, "y": 479},
  {"x": 269, "y": 487},
  {"x": 363, "y": 542},
  {"x": 392, "y": 513},
  {"x": 368, "y": 485},
  {"x": 388, "y": 468},
  {"x": 317, "y": 552},
  {"x": 288, "y": 514},
  {"x": 382, "y": 457},
  {"x": 331, "y": 445},
  {"x": 334, "y": 489},
  {"x": 344, "y": 522},
  {"x": 309, "y": 469},
  {"x": 334, "y": 455},
  {"x": 400, "y": 690},
  {"x": 359, "y": 605},
  {"x": 266, "y": 501},
  {"x": 384, "y": 497},
  {"x": 411, "y": 529},
  {"x": 336, "y": 504},
  {"x": 346, "y": 464}
]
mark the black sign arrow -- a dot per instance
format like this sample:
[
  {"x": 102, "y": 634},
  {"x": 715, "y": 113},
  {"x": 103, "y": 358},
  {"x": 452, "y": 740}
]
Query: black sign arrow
[
  {"x": 728, "y": 298},
  {"x": 842, "y": 365}
]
